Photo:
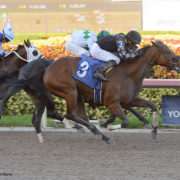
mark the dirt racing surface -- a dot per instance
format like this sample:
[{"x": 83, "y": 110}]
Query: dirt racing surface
[{"x": 78, "y": 156}]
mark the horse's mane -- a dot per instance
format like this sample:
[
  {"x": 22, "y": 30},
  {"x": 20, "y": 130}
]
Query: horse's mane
[
  {"x": 158, "y": 43},
  {"x": 145, "y": 48},
  {"x": 163, "y": 47}
]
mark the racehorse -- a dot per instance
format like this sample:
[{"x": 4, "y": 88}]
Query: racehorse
[
  {"x": 16, "y": 76},
  {"x": 122, "y": 89},
  {"x": 10, "y": 68}
]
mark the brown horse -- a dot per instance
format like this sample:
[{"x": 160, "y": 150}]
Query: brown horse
[
  {"x": 15, "y": 76},
  {"x": 125, "y": 82}
]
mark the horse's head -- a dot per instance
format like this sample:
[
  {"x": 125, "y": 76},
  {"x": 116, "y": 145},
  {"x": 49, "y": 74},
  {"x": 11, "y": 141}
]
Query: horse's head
[
  {"x": 13, "y": 61},
  {"x": 27, "y": 52},
  {"x": 166, "y": 57}
]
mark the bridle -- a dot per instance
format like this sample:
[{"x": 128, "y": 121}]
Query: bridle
[
  {"x": 22, "y": 58},
  {"x": 19, "y": 56},
  {"x": 173, "y": 58}
]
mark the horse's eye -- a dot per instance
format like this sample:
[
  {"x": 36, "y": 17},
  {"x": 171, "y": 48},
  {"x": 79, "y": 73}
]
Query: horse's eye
[{"x": 35, "y": 53}]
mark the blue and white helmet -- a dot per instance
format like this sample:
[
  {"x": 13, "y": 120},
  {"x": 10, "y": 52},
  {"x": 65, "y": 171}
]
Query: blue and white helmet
[{"x": 8, "y": 32}]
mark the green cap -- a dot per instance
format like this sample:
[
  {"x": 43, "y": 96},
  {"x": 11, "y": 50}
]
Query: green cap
[{"x": 103, "y": 34}]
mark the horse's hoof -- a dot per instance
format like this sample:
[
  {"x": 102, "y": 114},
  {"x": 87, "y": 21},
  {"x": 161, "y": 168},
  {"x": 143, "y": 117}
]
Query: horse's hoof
[
  {"x": 106, "y": 139},
  {"x": 77, "y": 126},
  {"x": 154, "y": 134},
  {"x": 124, "y": 125},
  {"x": 40, "y": 138}
]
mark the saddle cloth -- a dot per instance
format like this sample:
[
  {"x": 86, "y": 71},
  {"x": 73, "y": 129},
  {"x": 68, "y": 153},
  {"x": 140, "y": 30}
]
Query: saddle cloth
[
  {"x": 85, "y": 71},
  {"x": 85, "y": 74}
]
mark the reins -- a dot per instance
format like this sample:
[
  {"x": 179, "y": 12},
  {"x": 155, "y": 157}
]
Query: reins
[{"x": 20, "y": 57}]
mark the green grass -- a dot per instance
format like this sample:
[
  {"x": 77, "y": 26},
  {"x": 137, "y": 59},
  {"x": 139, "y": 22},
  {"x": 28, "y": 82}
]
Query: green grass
[
  {"x": 20, "y": 37},
  {"x": 20, "y": 121},
  {"x": 25, "y": 121},
  {"x": 13, "y": 121},
  {"x": 135, "y": 123}
]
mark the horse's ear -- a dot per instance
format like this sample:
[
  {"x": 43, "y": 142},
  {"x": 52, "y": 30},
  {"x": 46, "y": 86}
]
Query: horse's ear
[
  {"x": 25, "y": 42},
  {"x": 28, "y": 41},
  {"x": 153, "y": 43},
  {"x": 157, "y": 43}
]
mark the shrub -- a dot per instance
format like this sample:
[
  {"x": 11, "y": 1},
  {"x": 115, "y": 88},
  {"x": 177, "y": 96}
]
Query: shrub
[{"x": 21, "y": 103}]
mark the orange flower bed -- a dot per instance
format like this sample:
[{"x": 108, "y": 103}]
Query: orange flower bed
[{"x": 56, "y": 51}]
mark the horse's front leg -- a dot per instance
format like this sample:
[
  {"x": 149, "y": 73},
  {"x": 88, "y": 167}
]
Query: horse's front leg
[
  {"x": 107, "y": 122},
  {"x": 51, "y": 110},
  {"x": 81, "y": 112},
  {"x": 72, "y": 113},
  {"x": 36, "y": 120},
  {"x": 137, "y": 114},
  {"x": 138, "y": 102},
  {"x": 117, "y": 111}
]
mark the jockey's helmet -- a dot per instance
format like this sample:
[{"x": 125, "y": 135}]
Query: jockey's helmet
[
  {"x": 103, "y": 34},
  {"x": 133, "y": 37},
  {"x": 8, "y": 32}
]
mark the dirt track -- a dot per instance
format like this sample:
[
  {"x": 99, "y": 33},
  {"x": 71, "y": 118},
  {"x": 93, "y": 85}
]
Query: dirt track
[{"x": 78, "y": 156}]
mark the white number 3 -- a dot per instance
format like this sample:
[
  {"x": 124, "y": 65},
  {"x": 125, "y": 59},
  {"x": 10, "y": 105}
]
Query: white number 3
[{"x": 82, "y": 72}]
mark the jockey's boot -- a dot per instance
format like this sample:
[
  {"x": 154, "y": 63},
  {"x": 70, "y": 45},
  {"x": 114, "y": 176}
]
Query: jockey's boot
[{"x": 99, "y": 73}]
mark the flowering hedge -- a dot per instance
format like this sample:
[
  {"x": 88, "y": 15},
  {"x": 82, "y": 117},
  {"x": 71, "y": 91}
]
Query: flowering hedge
[{"x": 53, "y": 48}]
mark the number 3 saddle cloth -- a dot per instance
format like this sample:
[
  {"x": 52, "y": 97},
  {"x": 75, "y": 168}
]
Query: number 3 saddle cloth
[{"x": 85, "y": 74}]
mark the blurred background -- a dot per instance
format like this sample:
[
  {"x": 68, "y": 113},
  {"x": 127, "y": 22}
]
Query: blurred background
[{"x": 68, "y": 15}]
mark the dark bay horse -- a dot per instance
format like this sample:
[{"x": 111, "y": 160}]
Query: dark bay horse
[
  {"x": 17, "y": 74},
  {"x": 122, "y": 89},
  {"x": 11, "y": 68}
]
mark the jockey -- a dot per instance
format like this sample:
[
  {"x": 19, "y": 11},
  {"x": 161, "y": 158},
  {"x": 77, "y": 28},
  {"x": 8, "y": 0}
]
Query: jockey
[
  {"x": 5, "y": 36},
  {"x": 111, "y": 49},
  {"x": 124, "y": 45},
  {"x": 81, "y": 41}
]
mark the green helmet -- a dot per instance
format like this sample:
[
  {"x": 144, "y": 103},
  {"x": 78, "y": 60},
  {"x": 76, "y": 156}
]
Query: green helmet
[{"x": 103, "y": 34}]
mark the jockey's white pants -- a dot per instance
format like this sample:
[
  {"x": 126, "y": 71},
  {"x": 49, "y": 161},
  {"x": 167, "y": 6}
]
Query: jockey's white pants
[
  {"x": 102, "y": 54},
  {"x": 76, "y": 49}
]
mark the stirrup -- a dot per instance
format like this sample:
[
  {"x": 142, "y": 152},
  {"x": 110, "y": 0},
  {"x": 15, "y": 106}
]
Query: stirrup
[{"x": 100, "y": 76}]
